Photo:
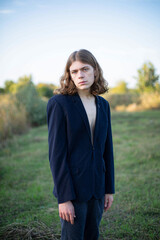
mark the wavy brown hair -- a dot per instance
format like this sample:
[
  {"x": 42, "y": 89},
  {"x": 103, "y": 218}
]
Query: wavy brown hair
[{"x": 99, "y": 86}]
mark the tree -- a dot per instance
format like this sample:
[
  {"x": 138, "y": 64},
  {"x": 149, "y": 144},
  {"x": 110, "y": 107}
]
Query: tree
[
  {"x": 2, "y": 90},
  {"x": 147, "y": 78},
  {"x": 22, "y": 81},
  {"x": 7, "y": 85},
  {"x": 35, "y": 107},
  {"x": 120, "y": 88},
  {"x": 45, "y": 90}
]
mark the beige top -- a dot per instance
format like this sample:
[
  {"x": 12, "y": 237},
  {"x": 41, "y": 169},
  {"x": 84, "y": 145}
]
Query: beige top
[{"x": 90, "y": 107}]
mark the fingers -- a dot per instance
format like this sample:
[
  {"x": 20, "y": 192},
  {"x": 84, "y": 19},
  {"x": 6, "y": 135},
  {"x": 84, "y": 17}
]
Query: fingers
[
  {"x": 108, "y": 202},
  {"x": 108, "y": 205},
  {"x": 66, "y": 212},
  {"x": 65, "y": 216},
  {"x": 69, "y": 217}
]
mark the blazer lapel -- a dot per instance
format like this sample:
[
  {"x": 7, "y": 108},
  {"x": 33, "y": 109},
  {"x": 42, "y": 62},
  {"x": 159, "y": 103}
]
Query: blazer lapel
[{"x": 80, "y": 107}]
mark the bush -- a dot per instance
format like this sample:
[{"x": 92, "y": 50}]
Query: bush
[
  {"x": 150, "y": 100},
  {"x": 34, "y": 105},
  {"x": 121, "y": 99},
  {"x": 134, "y": 102},
  {"x": 45, "y": 90},
  {"x": 13, "y": 117}
]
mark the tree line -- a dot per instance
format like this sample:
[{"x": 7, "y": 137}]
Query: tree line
[
  {"x": 23, "y": 104},
  {"x": 147, "y": 81}
]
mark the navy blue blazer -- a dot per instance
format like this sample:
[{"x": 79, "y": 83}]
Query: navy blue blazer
[{"x": 79, "y": 168}]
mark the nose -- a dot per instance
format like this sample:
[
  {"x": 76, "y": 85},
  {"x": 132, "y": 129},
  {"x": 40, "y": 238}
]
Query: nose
[{"x": 80, "y": 74}]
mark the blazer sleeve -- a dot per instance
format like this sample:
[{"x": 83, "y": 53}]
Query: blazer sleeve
[
  {"x": 57, "y": 141},
  {"x": 109, "y": 158}
]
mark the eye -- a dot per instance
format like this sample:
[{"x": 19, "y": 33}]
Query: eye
[
  {"x": 73, "y": 72},
  {"x": 85, "y": 69}
]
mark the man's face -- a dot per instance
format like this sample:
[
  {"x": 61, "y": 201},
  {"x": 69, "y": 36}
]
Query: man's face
[{"x": 82, "y": 75}]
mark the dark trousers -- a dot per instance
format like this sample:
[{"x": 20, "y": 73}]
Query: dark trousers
[{"x": 86, "y": 223}]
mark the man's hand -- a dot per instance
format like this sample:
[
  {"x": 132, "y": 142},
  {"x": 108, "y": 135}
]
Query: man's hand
[
  {"x": 66, "y": 211},
  {"x": 108, "y": 199}
]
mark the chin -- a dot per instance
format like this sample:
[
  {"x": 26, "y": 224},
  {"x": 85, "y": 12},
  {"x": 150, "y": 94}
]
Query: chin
[{"x": 83, "y": 88}]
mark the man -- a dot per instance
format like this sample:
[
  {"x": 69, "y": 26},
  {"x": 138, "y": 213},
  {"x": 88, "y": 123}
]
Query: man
[{"x": 81, "y": 148}]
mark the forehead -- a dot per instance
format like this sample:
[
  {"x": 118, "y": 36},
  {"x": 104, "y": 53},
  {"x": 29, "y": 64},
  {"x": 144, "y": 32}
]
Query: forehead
[{"x": 78, "y": 65}]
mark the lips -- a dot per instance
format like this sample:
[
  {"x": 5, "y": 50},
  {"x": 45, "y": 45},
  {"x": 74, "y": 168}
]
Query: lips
[{"x": 83, "y": 82}]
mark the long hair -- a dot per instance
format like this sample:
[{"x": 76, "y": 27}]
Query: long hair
[{"x": 99, "y": 86}]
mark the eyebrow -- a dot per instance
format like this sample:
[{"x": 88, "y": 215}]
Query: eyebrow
[{"x": 79, "y": 68}]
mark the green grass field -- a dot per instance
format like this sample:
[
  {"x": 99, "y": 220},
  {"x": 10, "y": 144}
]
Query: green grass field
[{"x": 29, "y": 210}]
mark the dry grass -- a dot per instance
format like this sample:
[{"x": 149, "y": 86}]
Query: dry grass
[
  {"x": 150, "y": 101},
  {"x": 146, "y": 101},
  {"x": 36, "y": 230}
]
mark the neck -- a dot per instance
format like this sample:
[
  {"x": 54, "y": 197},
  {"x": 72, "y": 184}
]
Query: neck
[{"x": 85, "y": 93}]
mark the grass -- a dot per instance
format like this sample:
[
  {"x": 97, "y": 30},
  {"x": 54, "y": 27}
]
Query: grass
[{"x": 29, "y": 210}]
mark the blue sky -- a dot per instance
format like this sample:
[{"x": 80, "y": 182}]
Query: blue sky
[{"x": 36, "y": 37}]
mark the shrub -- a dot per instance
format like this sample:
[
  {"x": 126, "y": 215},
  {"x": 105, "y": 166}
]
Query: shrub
[
  {"x": 13, "y": 117},
  {"x": 45, "y": 90},
  {"x": 134, "y": 102},
  {"x": 146, "y": 101},
  {"x": 121, "y": 99},
  {"x": 150, "y": 100},
  {"x": 34, "y": 105}
]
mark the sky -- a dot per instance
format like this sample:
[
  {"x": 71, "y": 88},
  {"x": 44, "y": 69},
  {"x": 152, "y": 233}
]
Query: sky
[{"x": 37, "y": 37}]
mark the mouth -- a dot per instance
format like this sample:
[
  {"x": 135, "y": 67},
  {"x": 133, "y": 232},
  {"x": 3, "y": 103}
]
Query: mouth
[{"x": 83, "y": 82}]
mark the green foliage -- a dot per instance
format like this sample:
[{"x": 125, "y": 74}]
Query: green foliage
[
  {"x": 121, "y": 99},
  {"x": 8, "y": 85},
  {"x": 13, "y": 87},
  {"x": 147, "y": 78},
  {"x": 21, "y": 107},
  {"x": 121, "y": 88},
  {"x": 13, "y": 117},
  {"x": 45, "y": 90},
  {"x": 2, "y": 90},
  {"x": 157, "y": 87},
  {"x": 34, "y": 105},
  {"x": 24, "y": 80},
  {"x": 131, "y": 102}
]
